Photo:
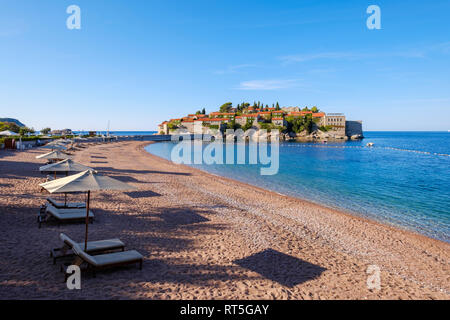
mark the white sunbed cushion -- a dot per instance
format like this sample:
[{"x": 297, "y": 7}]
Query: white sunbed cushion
[
  {"x": 67, "y": 240},
  {"x": 86, "y": 257},
  {"x": 94, "y": 245},
  {"x": 68, "y": 204},
  {"x": 67, "y": 214},
  {"x": 117, "y": 257},
  {"x": 102, "y": 244}
]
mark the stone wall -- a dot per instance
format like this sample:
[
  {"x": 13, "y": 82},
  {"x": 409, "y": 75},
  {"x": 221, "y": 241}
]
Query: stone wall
[{"x": 353, "y": 128}]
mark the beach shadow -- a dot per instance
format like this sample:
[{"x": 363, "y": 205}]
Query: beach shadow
[
  {"x": 126, "y": 179},
  {"x": 4, "y": 185},
  {"x": 287, "y": 270},
  {"x": 19, "y": 169},
  {"x": 102, "y": 162},
  {"x": 142, "y": 194},
  {"x": 98, "y": 157},
  {"x": 179, "y": 217}
]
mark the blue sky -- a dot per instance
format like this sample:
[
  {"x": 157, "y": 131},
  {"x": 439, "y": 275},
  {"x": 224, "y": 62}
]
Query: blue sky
[{"x": 137, "y": 63}]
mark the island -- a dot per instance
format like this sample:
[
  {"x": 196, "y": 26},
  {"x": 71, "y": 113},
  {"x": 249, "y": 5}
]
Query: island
[{"x": 294, "y": 123}]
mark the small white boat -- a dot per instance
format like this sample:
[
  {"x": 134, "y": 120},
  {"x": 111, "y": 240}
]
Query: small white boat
[{"x": 370, "y": 144}]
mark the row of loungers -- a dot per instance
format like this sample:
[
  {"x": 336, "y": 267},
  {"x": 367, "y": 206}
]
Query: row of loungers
[{"x": 99, "y": 254}]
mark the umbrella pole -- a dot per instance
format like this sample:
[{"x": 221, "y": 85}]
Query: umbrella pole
[
  {"x": 87, "y": 220},
  {"x": 65, "y": 194}
]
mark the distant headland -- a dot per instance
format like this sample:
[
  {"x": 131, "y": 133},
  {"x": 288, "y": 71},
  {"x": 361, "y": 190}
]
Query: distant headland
[{"x": 294, "y": 123}]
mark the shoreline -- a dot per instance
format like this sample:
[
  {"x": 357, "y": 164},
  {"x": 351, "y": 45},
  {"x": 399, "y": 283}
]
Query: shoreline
[
  {"x": 208, "y": 237},
  {"x": 348, "y": 213}
]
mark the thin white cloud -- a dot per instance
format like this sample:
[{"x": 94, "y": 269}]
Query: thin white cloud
[
  {"x": 348, "y": 56},
  {"x": 274, "y": 84},
  {"x": 234, "y": 69}
]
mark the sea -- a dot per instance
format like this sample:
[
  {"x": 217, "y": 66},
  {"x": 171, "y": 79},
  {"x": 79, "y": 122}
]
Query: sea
[{"x": 402, "y": 180}]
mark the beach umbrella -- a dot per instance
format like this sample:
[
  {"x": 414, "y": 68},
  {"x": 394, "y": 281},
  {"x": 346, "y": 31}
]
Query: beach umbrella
[
  {"x": 8, "y": 133},
  {"x": 54, "y": 155},
  {"x": 55, "y": 142},
  {"x": 85, "y": 181},
  {"x": 67, "y": 165},
  {"x": 54, "y": 146}
]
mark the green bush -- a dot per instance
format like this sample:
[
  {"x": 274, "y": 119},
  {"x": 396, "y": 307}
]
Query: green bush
[
  {"x": 325, "y": 128},
  {"x": 300, "y": 124}
]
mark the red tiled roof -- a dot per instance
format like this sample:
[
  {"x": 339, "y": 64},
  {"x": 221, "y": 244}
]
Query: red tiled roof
[
  {"x": 277, "y": 118},
  {"x": 214, "y": 119},
  {"x": 265, "y": 112},
  {"x": 318, "y": 115}
]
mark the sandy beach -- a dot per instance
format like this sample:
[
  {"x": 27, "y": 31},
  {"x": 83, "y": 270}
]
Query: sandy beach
[{"x": 206, "y": 237}]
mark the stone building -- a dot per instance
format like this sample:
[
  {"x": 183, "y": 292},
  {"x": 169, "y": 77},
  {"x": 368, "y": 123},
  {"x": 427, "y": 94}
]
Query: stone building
[
  {"x": 336, "y": 121},
  {"x": 279, "y": 121}
]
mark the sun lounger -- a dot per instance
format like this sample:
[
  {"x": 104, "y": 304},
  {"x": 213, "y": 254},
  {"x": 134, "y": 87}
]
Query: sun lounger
[
  {"x": 68, "y": 205},
  {"x": 93, "y": 247},
  {"x": 105, "y": 260},
  {"x": 64, "y": 215}
]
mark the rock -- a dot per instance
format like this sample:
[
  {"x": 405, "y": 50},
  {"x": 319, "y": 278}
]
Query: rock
[{"x": 356, "y": 137}]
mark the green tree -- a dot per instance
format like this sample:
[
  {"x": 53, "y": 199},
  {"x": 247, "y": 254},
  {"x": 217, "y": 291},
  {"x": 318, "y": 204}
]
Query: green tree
[
  {"x": 315, "y": 109},
  {"x": 203, "y": 111},
  {"x": 233, "y": 125},
  {"x": 300, "y": 124},
  {"x": 248, "y": 125},
  {"x": 277, "y": 107},
  {"x": 46, "y": 130},
  {"x": 25, "y": 130},
  {"x": 226, "y": 107},
  {"x": 11, "y": 126},
  {"x": 172, "y": 126}
]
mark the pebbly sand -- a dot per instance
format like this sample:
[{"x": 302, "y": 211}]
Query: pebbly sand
[{"x": 206, "y": 237}]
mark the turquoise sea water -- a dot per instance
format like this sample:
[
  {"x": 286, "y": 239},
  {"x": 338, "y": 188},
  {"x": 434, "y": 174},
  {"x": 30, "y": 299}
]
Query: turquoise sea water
[{"x": 404, "y": 180}]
